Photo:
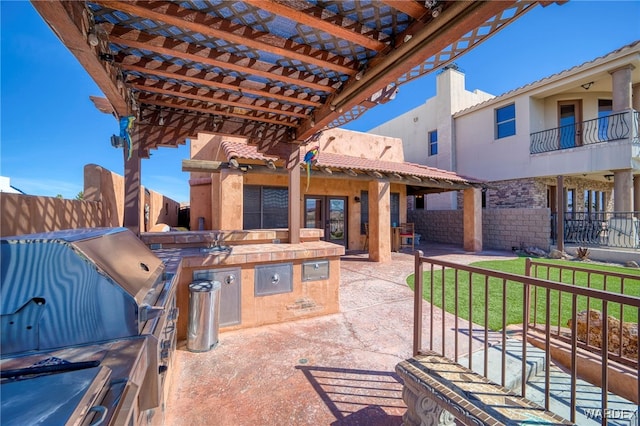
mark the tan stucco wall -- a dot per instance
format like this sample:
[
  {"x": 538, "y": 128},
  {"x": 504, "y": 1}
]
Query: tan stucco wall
[
  {"x": 322, "y": 296},
  {"x": 103, "y": 186},
  {"x": 218, "y": 197},
  {"x": 106, "y": 187},
  {"x": 362, "y": 145},
  {"x": 27, "y": 214},
  {"x": 204, "y": 196}
]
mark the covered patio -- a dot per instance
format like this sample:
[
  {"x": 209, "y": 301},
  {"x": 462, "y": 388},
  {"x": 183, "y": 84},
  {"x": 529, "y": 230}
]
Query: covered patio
[{"x": 274, "y": 73}]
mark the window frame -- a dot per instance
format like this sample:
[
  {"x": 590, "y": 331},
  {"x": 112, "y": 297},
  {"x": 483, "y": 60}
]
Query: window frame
[
  {"x": 505, "y": 122},
  {"x": 262, "y": 209},
  {"x": 432, "y": 142}
]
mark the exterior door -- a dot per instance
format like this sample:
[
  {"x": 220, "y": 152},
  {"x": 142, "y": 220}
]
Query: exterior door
[
  {"x": 328, "y": 213},
  {"x": 570, "y": 123}
]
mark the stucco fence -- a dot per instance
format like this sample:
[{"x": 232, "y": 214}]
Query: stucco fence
[
  {"x": 502, "y": 229},
  {"x": 102, "y": 206}
]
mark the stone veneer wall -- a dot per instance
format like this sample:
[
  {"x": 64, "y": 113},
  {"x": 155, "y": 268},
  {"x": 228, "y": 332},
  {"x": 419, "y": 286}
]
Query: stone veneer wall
[
  {"x": 502, "y": 229},
  {"x": 532, "y": 192}
]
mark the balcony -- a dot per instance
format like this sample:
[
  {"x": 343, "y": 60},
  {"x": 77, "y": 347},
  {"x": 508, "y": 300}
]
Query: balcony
[
  {"x": 615, "y": 127},
  {"x": 620, "y": 230}
]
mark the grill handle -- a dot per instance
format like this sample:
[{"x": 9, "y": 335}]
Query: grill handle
[{"x": 149, "y": 312}]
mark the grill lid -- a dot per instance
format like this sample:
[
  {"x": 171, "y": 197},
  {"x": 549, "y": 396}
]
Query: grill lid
[
  {"x": 117, "y": 252},
  {"x": 75, "y": 287}
]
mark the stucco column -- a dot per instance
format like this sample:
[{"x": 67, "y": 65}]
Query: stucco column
[
  {"x": 623, "y": 190},
  {"x": 228, "y": 208},
  {"x": 379, "y": 221},
  {"x": 621, "y": 89},
  {"x": 132, "y": 187},
  {"x": 472, "y": 219},
  {"x": 636, "y": 193}
]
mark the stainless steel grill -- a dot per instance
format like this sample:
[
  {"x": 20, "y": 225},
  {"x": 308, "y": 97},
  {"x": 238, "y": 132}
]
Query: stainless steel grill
[{"x": 86, "y": 287}]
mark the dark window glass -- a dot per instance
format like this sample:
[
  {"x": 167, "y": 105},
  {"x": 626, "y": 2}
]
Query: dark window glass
[
  {"x": 364, "y": 210},
  {"x": 433, "y": 142},
  {"x": 265, "y": 207},
  {"x": 275, "y": 208},
  {"x": 605, "y": 107},
  {"x": 395, "y": 208},
  {"x": 251, "y": 211},
  {"x": 506, "y": 121}
]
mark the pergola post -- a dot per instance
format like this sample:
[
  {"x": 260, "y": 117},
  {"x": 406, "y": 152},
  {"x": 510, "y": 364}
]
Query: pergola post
[
  {"x": 379, "y": 221},
  {"x": 294, "y": 196},
  {"x": 132, "y": 186}
]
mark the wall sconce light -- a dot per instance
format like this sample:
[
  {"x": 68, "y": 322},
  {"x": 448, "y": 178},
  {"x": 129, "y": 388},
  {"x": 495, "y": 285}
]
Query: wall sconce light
[
  {"x": 356, "y": 199},
  {"x": 586, "y": 86}
]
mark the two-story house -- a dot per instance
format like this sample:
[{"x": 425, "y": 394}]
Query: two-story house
[{"x": 577, "y": 129}]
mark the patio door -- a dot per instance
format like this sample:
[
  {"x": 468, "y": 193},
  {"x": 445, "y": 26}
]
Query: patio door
[
  {"x": 570, "y": 123},
  {"x": 328, "y": 213}
]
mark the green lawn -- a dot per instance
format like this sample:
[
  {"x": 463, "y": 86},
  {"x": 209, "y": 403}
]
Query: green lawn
[{"x": 514, "y": 299}]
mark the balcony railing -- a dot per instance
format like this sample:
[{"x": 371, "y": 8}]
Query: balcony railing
[
  {"x": 613, "y": 127},
  {"x": 465, "y": 286},
  {"x": 602, "y": 229}
]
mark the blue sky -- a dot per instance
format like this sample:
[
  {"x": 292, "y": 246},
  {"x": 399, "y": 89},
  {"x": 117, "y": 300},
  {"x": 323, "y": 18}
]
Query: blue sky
[{"x": 49, "y": 129}]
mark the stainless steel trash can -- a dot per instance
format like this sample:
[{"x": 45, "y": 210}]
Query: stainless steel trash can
[{"x": 204, "y": 313}]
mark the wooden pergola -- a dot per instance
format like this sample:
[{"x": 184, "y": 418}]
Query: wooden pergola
[{"x": 277, "y": 72}]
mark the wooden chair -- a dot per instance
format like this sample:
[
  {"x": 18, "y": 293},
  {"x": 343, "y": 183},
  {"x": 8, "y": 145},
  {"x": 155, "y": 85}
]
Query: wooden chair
[{"x": 407, "y": 235}]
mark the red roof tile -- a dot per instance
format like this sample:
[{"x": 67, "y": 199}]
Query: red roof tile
[
  {"x": 241, "y": 150},
  {"x": 346, "y": 162},
  {"x": 326, "y": 159}
]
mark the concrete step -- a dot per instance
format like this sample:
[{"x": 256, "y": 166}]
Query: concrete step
[{"x": 621, "y": 412}]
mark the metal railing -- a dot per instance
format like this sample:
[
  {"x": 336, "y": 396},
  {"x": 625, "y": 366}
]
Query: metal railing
[
  {"x": 601, "y": 229},
  {"x": 613, "y": 127},
  {"x": 606, "y": 281},
  {"x": 461, "y": 325}
]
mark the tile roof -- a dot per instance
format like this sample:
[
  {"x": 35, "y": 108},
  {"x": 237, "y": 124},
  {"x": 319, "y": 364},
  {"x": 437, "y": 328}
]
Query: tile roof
[
  {"x": 330, "y": 160},
  {"x": 628, "y": 48},
  {"x": 247, "y": 152},
  {"x": 345, "y": 162}
]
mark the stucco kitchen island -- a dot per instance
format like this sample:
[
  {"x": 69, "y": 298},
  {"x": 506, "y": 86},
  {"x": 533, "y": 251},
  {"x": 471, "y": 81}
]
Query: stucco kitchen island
[{"x": 264, "y": 280}]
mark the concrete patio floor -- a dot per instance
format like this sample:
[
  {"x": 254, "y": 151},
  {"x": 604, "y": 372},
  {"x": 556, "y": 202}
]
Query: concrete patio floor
[{"x": 332, "y": 370}]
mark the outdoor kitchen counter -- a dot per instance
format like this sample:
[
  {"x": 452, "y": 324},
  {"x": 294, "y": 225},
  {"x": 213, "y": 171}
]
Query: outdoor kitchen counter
[
  {"x": 248, "y": 253},
  {"x": 304, "y": 297}
]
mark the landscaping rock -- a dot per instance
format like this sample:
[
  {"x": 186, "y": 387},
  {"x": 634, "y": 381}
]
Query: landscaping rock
[
  {"x": 629, "y": 333},
  {"x": 557, "y": 254},
  {"x": 632, "y": 264},
  {"x": 535, "y": 251}
]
